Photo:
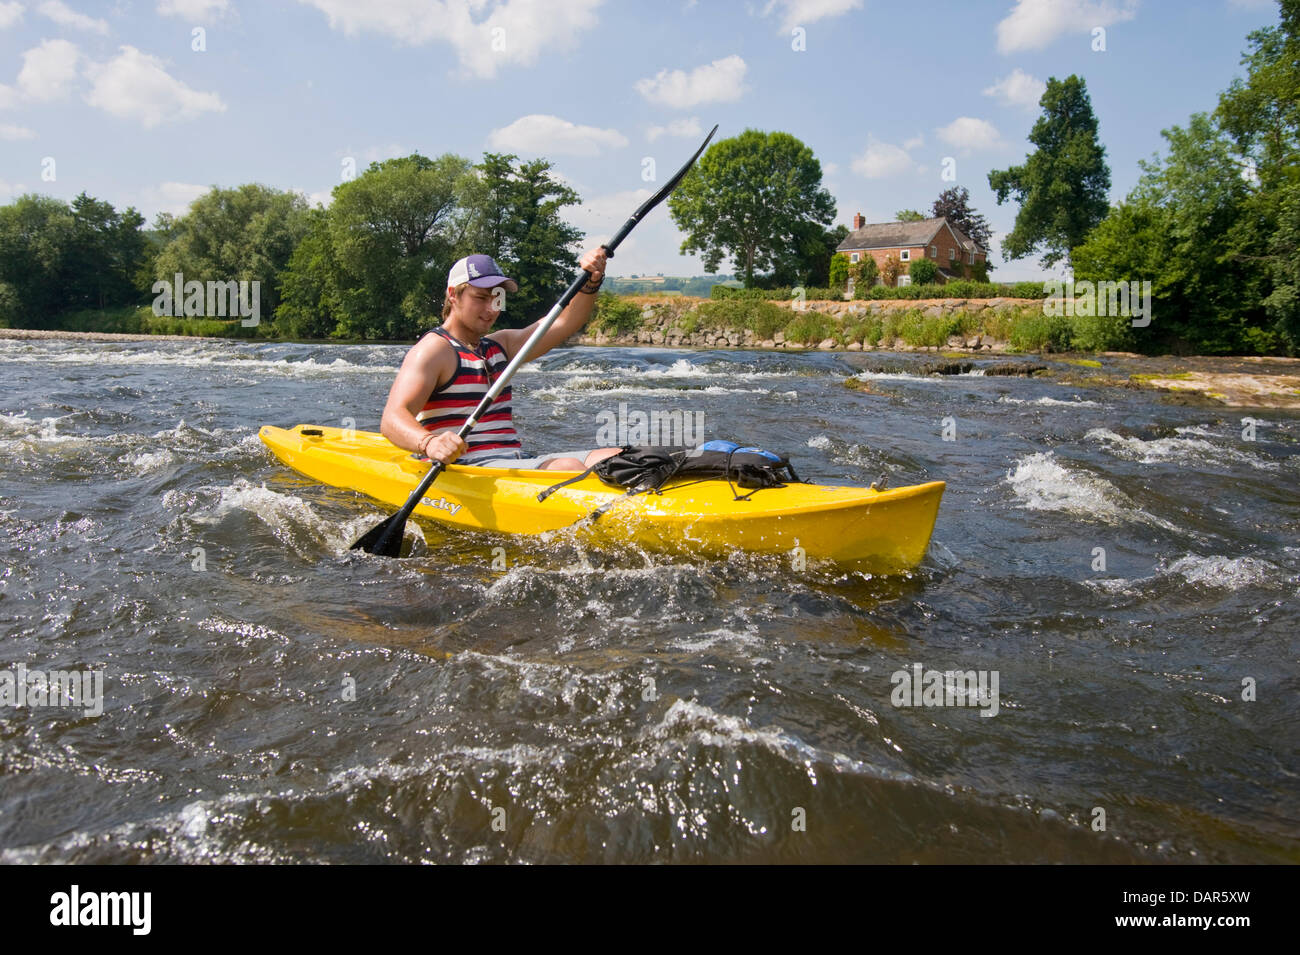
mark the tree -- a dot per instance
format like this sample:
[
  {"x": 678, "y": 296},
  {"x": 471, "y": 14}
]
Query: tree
[
  {"x": 838, "y": 275},
  {"x": 1184, "y": 228},
  {"x": 809, "y": 263},
  {"x": 35, "y": 235},
  {"x": 955, "y": 204},
  {"x": 908, "y": 215},
  {"x": 890, "y": 270},
  {"x": 56, "y": 258},
  {"x": 537, "y": 244},
  {"x": 247, "y": 233},
  {"x": 752, "y": 198},
  {"x": 923, "y": 271},
  {"x": 1261, "y": 115},
  {"x": 374, "y": 265},
  {"x": 1062, "y": 185}
]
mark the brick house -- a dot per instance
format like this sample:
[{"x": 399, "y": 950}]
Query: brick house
[{"x": 936, "y": 239}]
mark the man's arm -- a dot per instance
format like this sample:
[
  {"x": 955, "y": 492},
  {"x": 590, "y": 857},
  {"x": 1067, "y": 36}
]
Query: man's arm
[
  {"x": 571, "y": 320},
  {"x": 427, "y": 365}
]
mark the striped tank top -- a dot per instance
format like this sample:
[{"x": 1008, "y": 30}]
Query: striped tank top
[{"x": 450, "y": 405}]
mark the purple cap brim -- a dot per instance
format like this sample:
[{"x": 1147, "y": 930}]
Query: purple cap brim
[{"x": 492, "y": 281}]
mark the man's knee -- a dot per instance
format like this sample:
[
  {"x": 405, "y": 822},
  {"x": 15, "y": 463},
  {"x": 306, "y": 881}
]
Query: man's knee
[
  {"x": 562, "y": 464},
  {"x": 600, "y": 454}
]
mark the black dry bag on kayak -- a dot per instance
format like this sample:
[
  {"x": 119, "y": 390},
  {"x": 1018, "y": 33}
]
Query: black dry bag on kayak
[{"x": 647, "y": 469}]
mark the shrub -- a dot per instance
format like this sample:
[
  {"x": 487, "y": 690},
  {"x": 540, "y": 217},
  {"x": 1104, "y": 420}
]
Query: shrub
[
  {"x": 979, "y": 272},
  {"x": 1035, "y": 331},
  {"x": 923, "y": 271},
  {"x": 810, "y": 328},
  {"x": 839, "y": 273},
  {"x": 1100, "y": 332},
  {"x": 615, "y": 315},
  {"x": 1028, "y": 290}
]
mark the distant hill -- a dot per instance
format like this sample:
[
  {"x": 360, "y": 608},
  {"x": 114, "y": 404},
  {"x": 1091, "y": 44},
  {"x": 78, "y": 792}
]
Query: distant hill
[{"x": 699, "y": 285}]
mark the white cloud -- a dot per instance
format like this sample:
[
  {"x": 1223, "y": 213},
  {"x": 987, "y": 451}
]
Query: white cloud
[
  {"x": 10, "y": 13},
  {"x": 11, "y": 190},
  {"x": 969, "y": 134},
  {"x": 539, "y": 133},
  {"x": 830, "y": 168},
  {"x": 1034, "y": 24},
  {"x": 173, "y": 197},
  {"x": 65, "y": 16},
  {"x": 914, "y": 143},
  {"x": 721, "y": 81},
  {"x": 135, "y": 85},
  {"x": 800, "y": 13},
  {"x": 678, "y": 127},
  {"x": 322, "y": 197},
  {"x": 1018, "y": 88},
  {"x": 192, "y": 9},
  {"x": 514, "y": 32},
  {"x": 49, "y": 71},
  {"x": 8, "y": 97},
  {"x": 602, "y": 215},
  {"x": 881, "y": 160},
  {"x": 12, "y": 133}
]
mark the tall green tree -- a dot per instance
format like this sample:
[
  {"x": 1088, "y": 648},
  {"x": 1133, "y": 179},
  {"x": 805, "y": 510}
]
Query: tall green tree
[
  {"x": 36, "y": 233},
  {"x": 246, "y": 233},
  {"x": 908, "y": 215},
  {"x": 1181, "y": 228},
  {"x": 1062, "y": 185},
  {"x": 955, "y": 204},
  {"x": 527, "y": 234},
  {"x": 1261, "y": 114},
  {"x": 104, "y": 261},
  {"x": 374, "y": 265},
  {"x": 751, "y": 198}
]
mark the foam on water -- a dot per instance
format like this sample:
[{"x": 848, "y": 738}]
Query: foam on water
[
  {"x": 186, "y": 356},
  {"x": 1180, "y": 450},
  {"x": 1218, "y": 571},
  {"x": 1043, "y": 484},
  {"x": 1074, "y": 403},
  {"x": 286, "y": 515}
]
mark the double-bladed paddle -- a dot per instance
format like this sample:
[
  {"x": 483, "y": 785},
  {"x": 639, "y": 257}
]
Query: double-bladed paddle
[{"x": 386, "y": 538}]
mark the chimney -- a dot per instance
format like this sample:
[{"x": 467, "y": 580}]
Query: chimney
[{"x": 858, "y": 221}]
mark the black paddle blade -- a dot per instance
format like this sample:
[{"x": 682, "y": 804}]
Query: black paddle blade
[
  {"x": 383, "y": 539},
  {"x": 658, "y": 197}
]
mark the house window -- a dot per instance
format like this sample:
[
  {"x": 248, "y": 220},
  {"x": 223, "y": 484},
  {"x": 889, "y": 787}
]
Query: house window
[
  {"x": 952, "y": 254},
  {"x": 934, "y": 254},
  {"x": 853, "y": 256},
  {"x": 904, "y": 280},
  {"x": 904, "y": 255},
  {"x": 972, "y": 259}
]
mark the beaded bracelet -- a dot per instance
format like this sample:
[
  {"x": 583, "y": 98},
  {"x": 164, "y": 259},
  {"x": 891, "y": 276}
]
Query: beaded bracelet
[{"x": 592, "y": 289}]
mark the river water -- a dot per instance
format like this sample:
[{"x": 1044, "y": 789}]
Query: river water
[{"x": 1126, "y": 570}]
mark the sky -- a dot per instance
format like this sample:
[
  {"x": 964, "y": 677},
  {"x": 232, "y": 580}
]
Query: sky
[{"x": 149, "y": 103}]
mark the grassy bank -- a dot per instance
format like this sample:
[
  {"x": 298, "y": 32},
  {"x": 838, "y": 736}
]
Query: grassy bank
[{"x": 1014, "y": 325}]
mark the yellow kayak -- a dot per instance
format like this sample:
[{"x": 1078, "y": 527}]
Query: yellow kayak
[{"x": 875, "y": 531}]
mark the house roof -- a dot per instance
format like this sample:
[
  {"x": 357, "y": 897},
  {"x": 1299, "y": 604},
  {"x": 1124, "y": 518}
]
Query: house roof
[{"x": 897, "y": 235}]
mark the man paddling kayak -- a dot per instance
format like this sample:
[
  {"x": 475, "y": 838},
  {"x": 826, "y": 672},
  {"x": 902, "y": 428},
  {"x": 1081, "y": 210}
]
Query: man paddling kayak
[{"x": 446, "y": 374}]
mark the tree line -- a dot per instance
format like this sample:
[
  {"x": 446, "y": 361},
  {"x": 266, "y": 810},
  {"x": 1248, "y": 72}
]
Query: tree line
[
  {"x": 373, "y": 265},
  {"x": 1214, "y": 224}
]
